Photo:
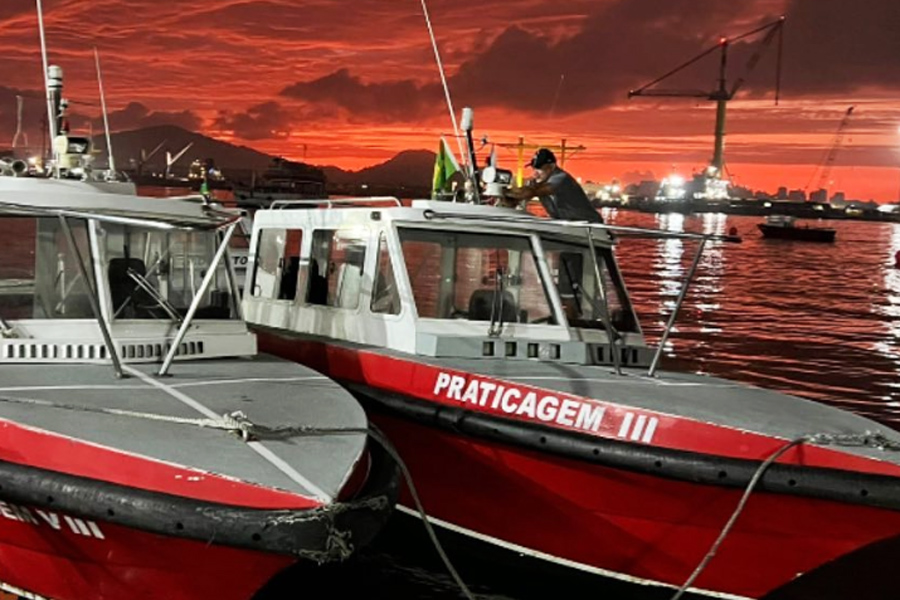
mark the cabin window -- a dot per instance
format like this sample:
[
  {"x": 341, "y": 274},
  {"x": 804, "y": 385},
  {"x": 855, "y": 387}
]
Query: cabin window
[
  {"x": 479, "y": 277},
  {"x": 277, "y": 264},
  {"x": 289, "y": 267},
  {"x": 385, "y": 299},
  {"x": 156, "y": 274},
  {"x": 269, "y": 253},
  {"x": 336, "y": 268},
  {"x": 39, "y": 274},
  {"x": 575, "y": 277}
]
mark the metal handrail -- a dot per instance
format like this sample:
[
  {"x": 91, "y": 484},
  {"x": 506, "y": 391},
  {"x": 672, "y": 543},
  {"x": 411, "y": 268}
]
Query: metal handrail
[
  {"x": 93, "y": 298},
  {"x": 330, "y": 202},
  {"x": 569, "y": 225},
  {"x": 149, "y": 221}
]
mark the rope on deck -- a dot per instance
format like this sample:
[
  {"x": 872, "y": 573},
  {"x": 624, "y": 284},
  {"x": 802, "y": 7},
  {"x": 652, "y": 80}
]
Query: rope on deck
[
  {"x": 235, "y": 422},
  {"x": 870, "y": 439}
]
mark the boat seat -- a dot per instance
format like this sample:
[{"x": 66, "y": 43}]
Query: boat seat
[{"x": 481, "y": 301}]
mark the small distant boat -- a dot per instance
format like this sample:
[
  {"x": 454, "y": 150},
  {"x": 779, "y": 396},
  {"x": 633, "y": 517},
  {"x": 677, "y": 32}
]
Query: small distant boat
[
  {"x": 283, "y": 180},
  {"x": 784, "y": 227}
]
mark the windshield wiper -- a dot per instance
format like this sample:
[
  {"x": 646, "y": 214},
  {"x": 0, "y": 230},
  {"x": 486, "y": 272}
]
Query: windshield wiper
[{"x": 496, "y": 326}]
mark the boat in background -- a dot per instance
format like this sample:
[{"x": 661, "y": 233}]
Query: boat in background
[
  {"x": 502, "y": 355},
  {"x": 784, "y": 227},
  {"x": 148, "y": 451},
  {"x": 283, "y": 180}
]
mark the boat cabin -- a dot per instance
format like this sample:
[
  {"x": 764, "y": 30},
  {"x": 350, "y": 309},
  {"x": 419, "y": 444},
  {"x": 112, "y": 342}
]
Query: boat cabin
[
  {"x": 442, "y": 279},
  {"x": 87, "y": 276}
]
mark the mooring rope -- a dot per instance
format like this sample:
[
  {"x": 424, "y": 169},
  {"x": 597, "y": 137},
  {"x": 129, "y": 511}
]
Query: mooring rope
[
  {"x": 871, "y": 439},
  {"x": 389, "y": 447}
]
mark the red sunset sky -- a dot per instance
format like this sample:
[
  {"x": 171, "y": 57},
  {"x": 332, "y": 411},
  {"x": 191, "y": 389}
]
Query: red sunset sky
[{"x": 354, "y": 82}]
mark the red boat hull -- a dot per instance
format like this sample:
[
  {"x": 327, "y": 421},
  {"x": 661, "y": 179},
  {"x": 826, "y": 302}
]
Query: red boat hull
[
  {"x": 627, "y": 526},
  {"x": 71, "y": 535},
  {"x": 65, "y": 564},
  {"x": 623, "y": 524}
]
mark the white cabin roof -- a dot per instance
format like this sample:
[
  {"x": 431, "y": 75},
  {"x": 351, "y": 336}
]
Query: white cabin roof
[
  {"x": 83, "y": 199},
  {"x": 355, "y": 211}
]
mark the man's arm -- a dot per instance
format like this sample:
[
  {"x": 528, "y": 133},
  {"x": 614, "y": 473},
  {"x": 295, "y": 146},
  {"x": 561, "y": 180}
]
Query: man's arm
[{"x": 529, "y": 190}]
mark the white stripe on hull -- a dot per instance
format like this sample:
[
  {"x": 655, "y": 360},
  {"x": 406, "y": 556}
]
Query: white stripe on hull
[{"x": 564, "y": 561}]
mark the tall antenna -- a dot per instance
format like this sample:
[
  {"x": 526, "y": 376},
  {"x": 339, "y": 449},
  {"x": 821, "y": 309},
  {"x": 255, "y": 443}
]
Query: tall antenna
[
  {"x": 109, "y": 150},
  {"x": 437, "y": 57},
  {"x": 51, "y": 118}
]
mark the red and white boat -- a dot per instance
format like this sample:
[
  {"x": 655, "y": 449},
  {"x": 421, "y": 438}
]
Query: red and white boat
[
  {"x": 530, "y": 410},
  {"x": 118, "y": 483}
]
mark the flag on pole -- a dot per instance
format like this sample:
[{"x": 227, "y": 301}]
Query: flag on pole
[{"x": 445, "y": 166}]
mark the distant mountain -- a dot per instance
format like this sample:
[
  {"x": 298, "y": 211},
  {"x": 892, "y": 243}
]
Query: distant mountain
[
  {"x": 410, "y": 167},
  {"x": 407, "y": 173},
  {"x": 130, "y": 146}
]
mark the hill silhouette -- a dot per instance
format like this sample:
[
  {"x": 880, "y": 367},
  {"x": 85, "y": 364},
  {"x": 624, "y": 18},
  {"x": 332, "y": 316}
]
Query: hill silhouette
[
  {"x": 408, "y": 173},
  {"x": 129, "y": 146}
]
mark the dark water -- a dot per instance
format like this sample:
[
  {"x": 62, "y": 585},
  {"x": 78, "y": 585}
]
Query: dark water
[{"x": 815, "y": 320}]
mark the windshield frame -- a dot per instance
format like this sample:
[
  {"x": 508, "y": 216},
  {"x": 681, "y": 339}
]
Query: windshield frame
[
  {"x": 613, "y": 280},
  {"x": 550, "y": 298}
]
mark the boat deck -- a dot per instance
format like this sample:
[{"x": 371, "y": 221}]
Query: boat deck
[{"x": 69, "y": 400}]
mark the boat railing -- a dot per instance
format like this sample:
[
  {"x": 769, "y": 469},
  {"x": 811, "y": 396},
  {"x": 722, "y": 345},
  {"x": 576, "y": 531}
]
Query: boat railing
[
  {"x": 621, "y": 231},
  {"x": 229, "y": 223},
  {"x": 336, "y": 202}
]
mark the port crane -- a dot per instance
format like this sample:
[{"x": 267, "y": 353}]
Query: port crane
[
  {"x": 831, "y": 153},
  {"x": 723, "y": 93}
]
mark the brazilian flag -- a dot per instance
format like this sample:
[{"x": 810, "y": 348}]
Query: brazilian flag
[{"x": 445, "y": 166}]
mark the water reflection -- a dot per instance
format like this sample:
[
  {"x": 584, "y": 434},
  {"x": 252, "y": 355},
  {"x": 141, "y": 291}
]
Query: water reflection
[{"x": 816, "y": 320}]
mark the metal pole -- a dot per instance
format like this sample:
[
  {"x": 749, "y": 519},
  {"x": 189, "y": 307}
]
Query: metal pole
[
  {"x": 51, "y": 117},
  {"x": 109, "y": 149},
  {"x": 437, "y": 58},
  {"x": 604, "y": 307},
  {"x": 92, "y": 298},
  {"x": 195, "y": 303},
  {"x": 684, "y": 288},
  {"x": 5, "y": 329},
  {"x": 232, "y": 284}
]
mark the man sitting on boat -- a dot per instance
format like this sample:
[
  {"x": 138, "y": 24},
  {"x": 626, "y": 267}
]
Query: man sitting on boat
[{"x": 559, "y": 193}]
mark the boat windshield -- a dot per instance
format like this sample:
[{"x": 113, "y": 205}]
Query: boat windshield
[
  {"x": 155, "y": 274},
  {"x": 474, "y": 276},
  {"x": 39, "y": 274},
  {"x": 575, "y": 278}
]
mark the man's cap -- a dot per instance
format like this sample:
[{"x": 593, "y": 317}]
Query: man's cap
[{"x": 542, "y": 157}]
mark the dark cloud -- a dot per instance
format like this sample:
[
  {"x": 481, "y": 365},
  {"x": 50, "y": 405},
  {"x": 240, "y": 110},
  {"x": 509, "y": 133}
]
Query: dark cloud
[
  {"x": 268, "y": 120},
  {"x": 833, "y": 46},
  {"x": 393, "y": 100},
  {"x": 616, "y": 47},
  {"x": 136, "y": 116},
  {"x": 830, "y": 47}
]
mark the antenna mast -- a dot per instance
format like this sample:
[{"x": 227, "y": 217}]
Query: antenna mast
[
  {"x": 51, "y": 113},
  {"x": 109, "y": 149},
  {"x": 437, "y": 57}
]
